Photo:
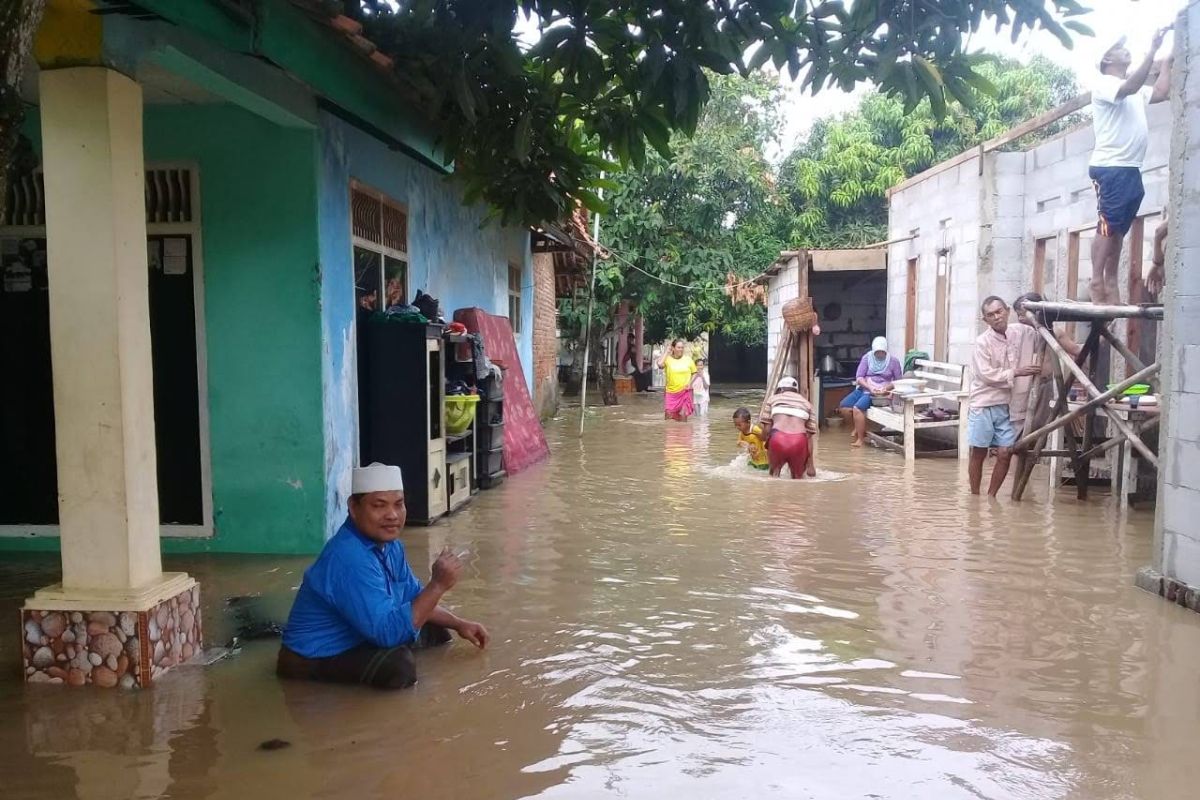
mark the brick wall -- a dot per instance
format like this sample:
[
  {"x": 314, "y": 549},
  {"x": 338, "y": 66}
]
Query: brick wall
[{"x": 545, "y": 336}]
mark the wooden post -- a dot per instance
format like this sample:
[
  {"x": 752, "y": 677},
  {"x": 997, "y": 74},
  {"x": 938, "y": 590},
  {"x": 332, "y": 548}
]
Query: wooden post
[
  {"x": 1093, "y": 404},
  {"x": 910, "y": 432},
  {"x": 1079, "y": 374},
  {"x": 1024, "y": 463},
  {"x": 1133, "y": 362}
]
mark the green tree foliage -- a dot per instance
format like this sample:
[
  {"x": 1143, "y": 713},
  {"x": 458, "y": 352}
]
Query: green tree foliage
[
  {"x": 716, "y": 206},
  {"x": 526, "y": 129},
  {"x": 835, "y": 181},
  {"x": 690, "y": 220}
]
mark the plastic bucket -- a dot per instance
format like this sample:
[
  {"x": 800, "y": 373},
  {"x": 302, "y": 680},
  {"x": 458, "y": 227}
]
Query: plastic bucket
[{"x": 460, "y": 412}]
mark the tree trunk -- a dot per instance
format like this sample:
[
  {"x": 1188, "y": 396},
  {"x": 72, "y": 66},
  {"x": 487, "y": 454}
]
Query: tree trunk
[
  {"x": 19, "y": 20},
  {"x": 608, "y": 388}
]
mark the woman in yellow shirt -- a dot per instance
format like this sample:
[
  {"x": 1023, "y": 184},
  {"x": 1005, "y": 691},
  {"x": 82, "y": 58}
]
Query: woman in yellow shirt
[{"x": 680, "y": 368}]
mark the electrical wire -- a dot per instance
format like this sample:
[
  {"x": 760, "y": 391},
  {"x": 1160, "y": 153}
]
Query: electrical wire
[{"x": 693, "y": 287}]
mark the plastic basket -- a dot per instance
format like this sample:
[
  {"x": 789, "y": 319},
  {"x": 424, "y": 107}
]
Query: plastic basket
[
  {"x": 460, "y": 412},
  {"x": 1136, "y": 389}
]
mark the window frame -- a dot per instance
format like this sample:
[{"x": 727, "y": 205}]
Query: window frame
[
  {"x": 385, "y": 251},
  {"x": 514, "y": 295}
]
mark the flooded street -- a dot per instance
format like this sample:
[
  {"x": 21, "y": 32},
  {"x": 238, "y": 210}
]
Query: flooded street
[{"x": 666, "y": 622}]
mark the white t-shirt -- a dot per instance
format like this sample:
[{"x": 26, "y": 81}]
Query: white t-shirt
[{"x": 1120, "y": 125}]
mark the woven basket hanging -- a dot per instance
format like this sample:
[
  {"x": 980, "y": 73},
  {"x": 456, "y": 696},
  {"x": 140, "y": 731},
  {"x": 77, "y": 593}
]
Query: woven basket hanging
[{"x": 798, "y": 314}]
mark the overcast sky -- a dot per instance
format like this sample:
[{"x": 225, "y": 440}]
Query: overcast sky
[{"x": 1137, "y": 19}]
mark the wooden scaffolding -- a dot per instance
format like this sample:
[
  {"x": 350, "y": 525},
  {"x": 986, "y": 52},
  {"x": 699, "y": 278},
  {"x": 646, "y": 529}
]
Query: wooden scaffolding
[{"x": 1128, "y": 422}]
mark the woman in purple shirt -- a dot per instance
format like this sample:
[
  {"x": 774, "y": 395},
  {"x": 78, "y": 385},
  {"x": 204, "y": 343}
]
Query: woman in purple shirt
[{"x": 876, "y": 372}]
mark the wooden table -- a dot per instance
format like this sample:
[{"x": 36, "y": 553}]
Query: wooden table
[{"x": 1123, "y": 469}]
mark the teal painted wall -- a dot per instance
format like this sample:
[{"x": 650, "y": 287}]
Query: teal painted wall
[
  {"x": 262, "y": 325},
  {"x": 258, "y": 194}
]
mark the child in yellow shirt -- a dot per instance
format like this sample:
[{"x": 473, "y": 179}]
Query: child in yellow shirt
[{"x": 750, "y": 437}]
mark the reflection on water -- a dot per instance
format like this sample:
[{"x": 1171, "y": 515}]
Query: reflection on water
[{"x": 666, "y": 619}]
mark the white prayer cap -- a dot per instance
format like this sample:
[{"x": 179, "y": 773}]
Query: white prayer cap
[
  {"x": 878, "y": 343},
  {"x": 1120, "y": 42},
  {"x": 376, "y": 478},
  {"x": 789, "y": 383}
]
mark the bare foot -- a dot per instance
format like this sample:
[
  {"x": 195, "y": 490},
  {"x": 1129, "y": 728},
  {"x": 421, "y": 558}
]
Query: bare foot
[{"x": 855, "y": 443}]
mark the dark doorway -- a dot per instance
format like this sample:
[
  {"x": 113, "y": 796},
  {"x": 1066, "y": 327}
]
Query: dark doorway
[
  {"x": 27, "y": 457},
  {"x": 732, "y": 362},
  {"x": 176, "y": 382},
  {"x": 27, "y": 460}
]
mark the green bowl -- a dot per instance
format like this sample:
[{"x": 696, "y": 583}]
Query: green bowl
[{"x": 1136, "y": 389}]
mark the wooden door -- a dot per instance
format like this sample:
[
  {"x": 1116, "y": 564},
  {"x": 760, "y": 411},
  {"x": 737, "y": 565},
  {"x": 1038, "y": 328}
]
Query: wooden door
[
  {"x": 910, "y": 311},
  {"x": 941, "y": 330}
]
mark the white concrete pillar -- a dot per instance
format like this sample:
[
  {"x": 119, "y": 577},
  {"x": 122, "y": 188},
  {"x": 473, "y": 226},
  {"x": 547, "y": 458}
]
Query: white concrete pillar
[
  {"x": 100, "y": 330},
  {"x": 1175, "y": 572}
]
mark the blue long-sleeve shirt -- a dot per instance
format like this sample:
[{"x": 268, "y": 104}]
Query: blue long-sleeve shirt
[{"x": 356, "y": 591}]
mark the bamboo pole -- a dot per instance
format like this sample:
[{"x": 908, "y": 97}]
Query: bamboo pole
[
  {"x": 782, "y": 355},
  {"x": 1113, "y": 441},
  {"x": 1060, "y": 402},
  {"x": 1127, "y": 354},
  {"x": 1091, "y": 311},
  {"x": 1117, "y": 422},
  {"x": 1024, "y": 467},
  {"x": 587, "y": 346}
]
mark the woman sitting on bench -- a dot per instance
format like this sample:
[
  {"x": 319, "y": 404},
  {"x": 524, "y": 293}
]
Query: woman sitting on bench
[{"x": 876, "y": 372}]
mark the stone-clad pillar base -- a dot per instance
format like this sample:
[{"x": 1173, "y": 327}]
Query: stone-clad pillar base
[
  {"x": 108, "y": 640},
  {"x": 1171, "y": 589}
]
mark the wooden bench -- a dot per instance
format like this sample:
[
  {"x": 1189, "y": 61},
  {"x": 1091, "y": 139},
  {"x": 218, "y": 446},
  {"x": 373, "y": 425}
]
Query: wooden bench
[{"x": 947, "y": 382}]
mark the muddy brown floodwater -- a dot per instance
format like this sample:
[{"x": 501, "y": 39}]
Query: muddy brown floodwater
[{"x": 668, "y": 625}]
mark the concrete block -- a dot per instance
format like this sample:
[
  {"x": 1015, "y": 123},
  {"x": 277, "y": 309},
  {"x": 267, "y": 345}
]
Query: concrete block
[
  {"x": 1010, "y": 184},
  {"x": 1049, "y": 153},
  {"x": 1185, "y": 234},
  {"x": 1183, "y": 417},
  {"x": 1080, "y": 143},
  {"x": 1011, "y": 206},
  {"x": 1010, "y": 163},
  {"x": 1185, "y": 280},
  {"x": 1182, "y": 462},
  {"x": 1187, "y": 377},
  {"x": 1181, "y": 508},
  {"x": 1181, "y": 555},
  {"x": 1186, "y": 327}
]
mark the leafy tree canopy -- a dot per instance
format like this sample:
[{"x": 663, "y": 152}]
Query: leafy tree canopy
[
  {"x": 835, "y": 181},
  {"x": 530, "y": 130},
  {"x": 718, "y": 206}
]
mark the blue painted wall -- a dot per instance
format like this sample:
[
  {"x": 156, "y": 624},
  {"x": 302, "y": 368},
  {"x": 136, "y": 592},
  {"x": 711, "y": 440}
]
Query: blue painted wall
[{"x": 452, "y": 256}]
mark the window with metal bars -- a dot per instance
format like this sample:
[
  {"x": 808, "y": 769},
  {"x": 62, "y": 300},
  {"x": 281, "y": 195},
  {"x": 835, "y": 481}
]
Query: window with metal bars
[
  {"x": 170, "y": 198},
  {"x": 514, "y": 297},
  {"x": 380, "y": 235}
]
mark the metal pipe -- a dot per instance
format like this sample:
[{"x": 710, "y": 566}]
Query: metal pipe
[{"x": 587, "y": 345}]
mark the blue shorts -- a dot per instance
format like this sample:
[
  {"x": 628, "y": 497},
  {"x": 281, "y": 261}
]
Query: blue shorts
[
  {"x": 990, "y": 427},
  {"x": 1119, "y": 194},
  {"x": 860, "y": 398}
]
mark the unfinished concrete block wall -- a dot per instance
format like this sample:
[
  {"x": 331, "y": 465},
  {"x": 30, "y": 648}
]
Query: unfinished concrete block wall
[
  {"x": 1060, "y": 203},
  {"x": 944, "y": 211},
  {"x": 852, "y": 309},
  {"x": 781, "y": 287},
  {"x": 979, "y": 223},
  {"x": 1176, "y": 569}
]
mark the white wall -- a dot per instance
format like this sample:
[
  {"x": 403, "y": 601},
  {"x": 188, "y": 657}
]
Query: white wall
[
  {"x": 945, "y": 209},
  {"x": 781, "y": 287},
  {"x": 1176, "y": 569},
  {"x": 990, "y": 215}
]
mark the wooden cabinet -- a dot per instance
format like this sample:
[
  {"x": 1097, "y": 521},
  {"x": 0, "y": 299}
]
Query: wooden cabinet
[{"x": 402, "y": 410}]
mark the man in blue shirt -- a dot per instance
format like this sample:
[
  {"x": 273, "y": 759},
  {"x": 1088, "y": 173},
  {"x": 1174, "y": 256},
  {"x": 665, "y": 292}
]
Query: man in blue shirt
[{"x": 360, "y": 610}]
